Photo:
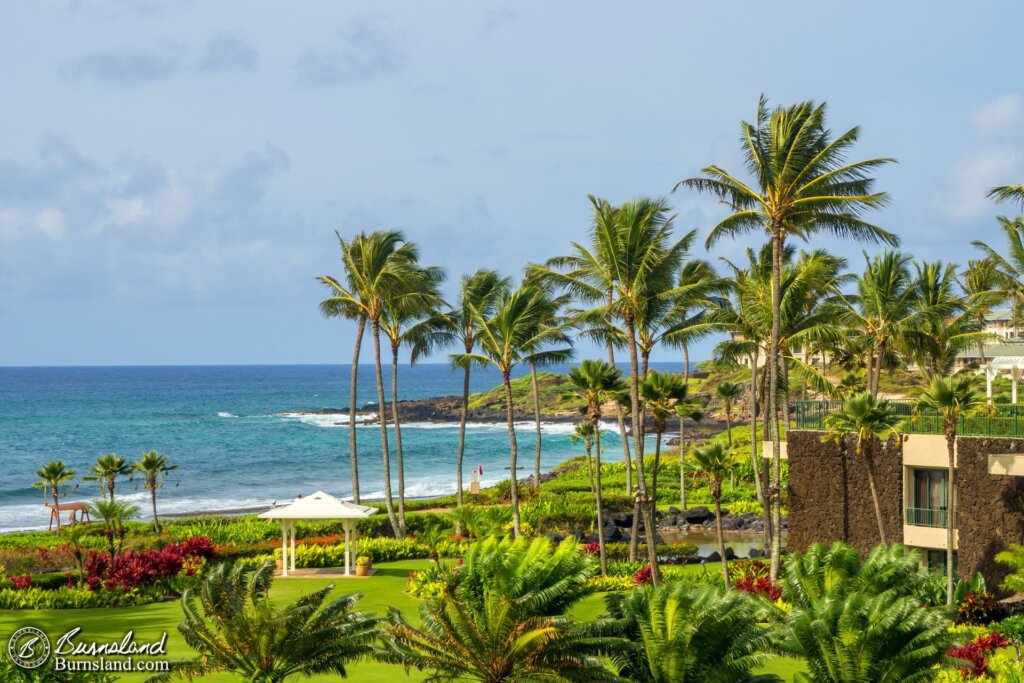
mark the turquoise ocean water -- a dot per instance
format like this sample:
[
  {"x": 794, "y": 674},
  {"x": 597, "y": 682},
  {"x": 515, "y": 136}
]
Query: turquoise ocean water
[{"x": 240, "y": 433}]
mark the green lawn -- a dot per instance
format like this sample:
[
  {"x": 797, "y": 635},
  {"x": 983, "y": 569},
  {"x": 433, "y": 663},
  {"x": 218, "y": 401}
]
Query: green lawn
[{"x": 383, "y": 590}]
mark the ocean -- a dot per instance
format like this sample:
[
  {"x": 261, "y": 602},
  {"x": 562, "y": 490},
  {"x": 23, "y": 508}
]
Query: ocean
[{"x": 241, "y": 435}]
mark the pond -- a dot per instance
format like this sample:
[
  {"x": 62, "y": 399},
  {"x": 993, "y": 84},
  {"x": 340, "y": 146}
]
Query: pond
[{"x": 707, "y": 541}]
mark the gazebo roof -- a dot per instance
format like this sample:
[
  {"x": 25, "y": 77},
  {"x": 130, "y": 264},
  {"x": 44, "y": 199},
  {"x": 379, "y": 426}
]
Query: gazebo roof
[{"x": 319, "y": 505}]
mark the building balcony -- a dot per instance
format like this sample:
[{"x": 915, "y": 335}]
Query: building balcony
[
  {"x": 1007, "y": 419},
  {"x": 928, "y": 517}
]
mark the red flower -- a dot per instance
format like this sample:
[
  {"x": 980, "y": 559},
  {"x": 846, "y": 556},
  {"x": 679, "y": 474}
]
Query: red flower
[
  {"x": 643, "y": 576},
  {"x": 592, "y": 549},
  {"x": 22, "y": 582},
  {"x": 759, "y": 586},
  {"x": 976, "y": 654}
]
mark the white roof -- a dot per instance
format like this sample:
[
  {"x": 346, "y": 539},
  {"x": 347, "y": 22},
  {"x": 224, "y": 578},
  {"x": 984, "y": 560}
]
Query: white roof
[{"x": 319, "y": 505}]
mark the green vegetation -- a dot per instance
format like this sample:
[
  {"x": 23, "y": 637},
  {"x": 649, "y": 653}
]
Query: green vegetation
[{"x": 553, "y": 389}]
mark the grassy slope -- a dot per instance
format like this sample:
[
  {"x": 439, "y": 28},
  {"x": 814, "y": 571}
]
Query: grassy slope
[
  {"x": 551, "y": 389},
  {"x": 385, "y": 589}
]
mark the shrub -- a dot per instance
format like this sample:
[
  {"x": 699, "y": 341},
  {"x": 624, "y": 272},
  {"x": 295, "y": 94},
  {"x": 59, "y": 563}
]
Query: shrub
[
  {"x": 643, "y": 576},
  {"x": 977, "y": 609},
  {"x": 381, "y": 549},
  {"x": 430, "y": 582},
  {"x": 149, "y": 567},
  {"x": 21, "y": 582},
  {"x": 75, "y": 598},
  {"x": 975, "y": 654},
  {"x": 609, "y": 584}
]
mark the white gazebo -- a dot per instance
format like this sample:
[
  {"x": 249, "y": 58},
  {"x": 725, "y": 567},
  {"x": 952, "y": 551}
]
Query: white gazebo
[
  {"x": 319, "y": 505},
  {"x": 1007, "y": 357}
]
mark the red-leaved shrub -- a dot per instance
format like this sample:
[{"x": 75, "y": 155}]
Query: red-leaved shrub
[
  {"x": 21, "y": 582},
  {"x": 975, "y": 655},
  {"x": 759, "y": 586},
  {"x": 643, "y": 576},
  {"x": 592, "y": 549},
  {"x": 145, "y": 568}
]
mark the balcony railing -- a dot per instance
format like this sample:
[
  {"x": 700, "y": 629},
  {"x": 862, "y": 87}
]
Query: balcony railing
[
  {"x": 1005, "y": 419},
  {"x": 928, "y": 517}
]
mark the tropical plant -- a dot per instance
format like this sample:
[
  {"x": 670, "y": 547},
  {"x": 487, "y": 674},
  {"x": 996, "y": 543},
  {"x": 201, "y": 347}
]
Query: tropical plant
[
  {"x": 1008, "y": 261},
  {"x": 478, "y": 295},
  {"x": 106, "y": 470},
  {"x": 868, "y": 420},
  {"x": 584, "y": 431},
  {"x": 52, "y": 476},
  {"x": 859, "y": 622},
  {"x": 153, "y": 468},
  {"x": 728, "y": 393},
  {"x": 682, "y": 634},
  {"x": 715, "y": 460},
  {"x": 596, "y": 382},
  {"x": 515, "y": 333},
  {"x": 980, "y": 281},
  {"x": 802, "y": 185},
  {"x": 1007, "y": 193},
  {"x": 953, "y": 399},
  {"x": 687, "y": 409},
  {"x": 113, "y": 515},
  {"x": 233, "y": 625},
  {"x": 556, "y": 324}
]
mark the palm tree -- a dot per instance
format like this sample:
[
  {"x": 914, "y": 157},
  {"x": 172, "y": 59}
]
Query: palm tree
[
  {"x": 691, "y": 409},
  {"x": 1007, "y": 193},
  {"x": 728, "y": 393},
  {"x": 404, "y": 308},
  {"x": 380, "y": 268},
  {"x": 595, "y": 383},
  {"x": 715, "y": 460},
  {"x": 106, "y": 470},
  {"x": 953, "y": 399},
  {"x": 52, "y": 476},
  {"x": 557, "y": 324},
  {"x": 584, "y": 431},
  {"x": 113, "y": 515},
  {"x": 152, "y": 468},
  {"x": 1009, "y": 262},
  {"x": 869, "y": 420},
  {"x": 684, "y": 634},
  {"x": 503, "y": 619},
  {"x": 802, "y": 185},
  {"x": 515, "y": 333},
  {"x": 234, "y": 626},
  {"x": 345, "y": 303},
  {"x": 478, "y": 292},
  {"x": 859, "y": 622}
]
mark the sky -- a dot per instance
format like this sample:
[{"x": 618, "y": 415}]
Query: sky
[{"x": 172, "y": 173}]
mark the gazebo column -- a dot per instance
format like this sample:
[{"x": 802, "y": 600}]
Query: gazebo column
[
  {"x": 295, "y": 526},
  {"x": 284, "y": 548},
  {"x": 1015, "y": 378},
  {"x": 990, "y": 374}
]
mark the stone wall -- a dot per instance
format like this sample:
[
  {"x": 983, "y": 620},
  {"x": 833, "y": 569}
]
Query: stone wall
[{"x": 829, "y": 496}]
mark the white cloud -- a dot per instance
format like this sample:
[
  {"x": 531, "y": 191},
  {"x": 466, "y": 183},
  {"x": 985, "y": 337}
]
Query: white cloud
[
  {"x": 50, "y": 222},
  {"x": 1004, "y": 115}
]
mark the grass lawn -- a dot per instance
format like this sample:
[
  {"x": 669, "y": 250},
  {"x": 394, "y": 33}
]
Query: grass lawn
[{"x": 383, "y": 590}]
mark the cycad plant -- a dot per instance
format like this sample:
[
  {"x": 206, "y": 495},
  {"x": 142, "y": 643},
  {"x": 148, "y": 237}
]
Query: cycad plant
[
  {"x": 715, "y": 461},
  {"x": 953, "y": 399},
  {"x": 52, "y": 476},
  {"x": 801, "y": 184},
  {"x": 106, "y": 470},
  {"x": 682, "y": 634},
  {"x": 153, "y": 468},
  {"x": 869, "y": 420},
  {"x": 232, "y": 624},
  {"x": 859, "y": 622}
]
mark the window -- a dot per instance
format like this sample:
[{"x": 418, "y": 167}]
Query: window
[
  {"x": 928, "y": 498},
  {"x": 936, "y": 560}
]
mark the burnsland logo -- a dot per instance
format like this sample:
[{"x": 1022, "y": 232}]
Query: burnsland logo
[{"x": 29, "y": 648}]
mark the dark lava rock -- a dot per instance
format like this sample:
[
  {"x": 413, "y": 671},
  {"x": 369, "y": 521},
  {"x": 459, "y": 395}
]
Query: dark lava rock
[
  {"x": 697, "y": 515},
  {"x": 755, "y": 553}
]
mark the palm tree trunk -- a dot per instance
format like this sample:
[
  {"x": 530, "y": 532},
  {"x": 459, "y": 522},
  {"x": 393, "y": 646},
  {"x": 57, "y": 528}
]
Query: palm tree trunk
[
  {"x": 686, "y": 365},
  {"x": 56, "y": 505},
  {"x": 463, "y": 416},
  {"x": 353, "y": 451},
  {"x": 950, "y": 512},
  {"x": 382, "y": 417},
  {"x": 638, "y": 445},
  {"x": 621, "y": 419},
  {"x": 536, "y": 420},
  {"x": 682, "y": 466},
  {"x": 775, "y": 488},
  {"x": 758, "y": 466},
  {"x": 398, "y": 437},
  {"x": 868, "y": 452},
  {"x": 728, "y": 427},
  {"x": 721, "y": 537},
  {"x": 152, "y": 500},
  {"x": 650, "y": 520},
  {"x": 598, "y": 499},
  {"x": 590, "y": 463},
  {"x": 513, "y": 453}
]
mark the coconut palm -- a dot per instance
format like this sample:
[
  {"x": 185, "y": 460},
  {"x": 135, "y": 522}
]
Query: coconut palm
[
  {"x": 503, "y": 619},
  {"x": 106, "y": 470},
  {"x": 802, "y": 185},
  {"x": 557, "y": 324},
  {"x": 234, "y": 626},
  {"x": 595, "y": 383},
  {"x": 868, "y": 420},
  {"x": 404, "y": 309},
  {"x": 113, "y": 515},
  {"x": 1009, "y": 261},
  {"x": 52, "y": 476},
  {"x": 953, "y": 399},
  {"x": 584, "y": 431},
  {"x": 980, "y": 282},
  {"x": 715, "y": 460},
  {"x": 153, "y": 468},
  {"x": 345, "y": 303},
  {"x": 380, "y": 267},
  {"x": 728, "y": 393},
  {"x": 683, "y": 634},
  {"x": 515, "y": 333},
  {"x": 1007, "y": 193},
  {"x": 478, "y": 292},
  {"x": 690, "y": 409},
  {"x": 859, "y": 622},
  {"x": 698, "y": 291}
]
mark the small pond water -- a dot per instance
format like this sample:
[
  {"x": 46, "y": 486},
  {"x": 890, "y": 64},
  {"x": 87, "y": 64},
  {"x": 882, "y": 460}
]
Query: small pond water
[{"x": 707, "y": 541}]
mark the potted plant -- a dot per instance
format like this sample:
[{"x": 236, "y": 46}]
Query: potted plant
[{"x": 363, "y": 565}]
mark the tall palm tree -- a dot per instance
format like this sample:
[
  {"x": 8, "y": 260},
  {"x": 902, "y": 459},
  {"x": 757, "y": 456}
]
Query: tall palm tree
[
  {"x": 715, "y": 460},
  {"x": 584, "y": 431},
  {"x": 1009, "y": 261},
  {"x": 106, "y": 470},
  {"x": 379, "y": 267},
  {"x": 113, "y": 515},
  {"x": 234, "y": 626},
  {"x": 1007, "y": 193},
  {"x": 153, "y": 468},
  {"x": 685, "y": 634},
  {"x": 478, "y": 295},
  {"x": 953, "y": 399},
  {"x": 980, "y": 282},
  {"x": 728, "y": 393},
  {"x": 688, "y": 409},
  {"x": 558, "y": 324},
  {"x": 348, "y": 306},
  {"x": 869, "y": 420},
  {"x": 515, "y": 333},
  {"x": 595, "y": 383},
  {"x": 802, "y": 185},
  {"x": 404, "y": 308},
  {"x": 52, "y": 476}
]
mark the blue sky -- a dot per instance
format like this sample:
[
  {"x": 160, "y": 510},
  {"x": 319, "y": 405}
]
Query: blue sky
[{"x": 171, "y": 173}]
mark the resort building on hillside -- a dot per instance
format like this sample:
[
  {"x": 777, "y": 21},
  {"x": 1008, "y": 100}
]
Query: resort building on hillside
[{"x": 829, "y": 499}]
